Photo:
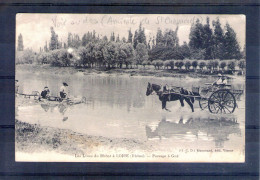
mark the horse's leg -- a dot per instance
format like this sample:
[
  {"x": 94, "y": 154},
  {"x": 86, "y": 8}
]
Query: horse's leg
[
  {"x": 181, "y": 101},
  {"x": 164, "y": 105},
  {"x": 189, "y": 102}
]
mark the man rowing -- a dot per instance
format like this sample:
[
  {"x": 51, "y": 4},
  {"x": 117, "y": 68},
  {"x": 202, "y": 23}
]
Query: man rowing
[
  {"x": 45, "y": 93},
  {"x": 63, "y": 90}
]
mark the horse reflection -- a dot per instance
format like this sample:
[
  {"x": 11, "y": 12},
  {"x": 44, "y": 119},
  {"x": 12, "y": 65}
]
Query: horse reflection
[{"x": 218, "y": 129}]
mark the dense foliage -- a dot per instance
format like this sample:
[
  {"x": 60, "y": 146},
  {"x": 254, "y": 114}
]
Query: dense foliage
[{"x": 206, "y": 50}]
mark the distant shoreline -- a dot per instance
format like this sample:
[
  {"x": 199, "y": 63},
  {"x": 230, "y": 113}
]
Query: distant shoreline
[{"x": 148, "y": 71}]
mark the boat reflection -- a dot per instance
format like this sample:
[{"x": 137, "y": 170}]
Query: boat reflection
[
  {"x": 217, "y": 129},
  {"x": 62, "y": 108}
]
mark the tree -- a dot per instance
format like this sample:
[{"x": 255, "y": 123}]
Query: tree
[
  {"x": 130, "y": 36},
  {"x": 232, "y": 49},
  {"x": 20, "y": 43},
  {"x": 117, "y": 38},
  {"x": 185, "y": 51},
  {"x": 141, "y": 35},
  {"x": 141, "y": 53},
  {"x": 105, "y": 38},
  {"x": 202, "y": 64},
  {"x": 223, "y": 65},
  {"x": 124, "y": 40},
  {"x": 196, "y": 35},
  {"x": 70, "y": 40},
  {"x": 194, "y": 64},
  {"x": 218, "y": 40},
  {"x": 187, "y": 64},
  {"x": 46, "y": 47},
  {"x": 179, "y": 64},
  {"x": 159, "y": 37},
  {"x": 135, "y": 40},
  {"x": 54, "y": 40},
  {"x": 231, "y": 66},
  {"x": 125, "y": 54},
  {"x": 110, "y": 53},
  {"x": 242, "y": 65},
  {"x": 207, "y": 40},
  {"x": 112, "y": 37},
  {"x": 157, "y": 63}
]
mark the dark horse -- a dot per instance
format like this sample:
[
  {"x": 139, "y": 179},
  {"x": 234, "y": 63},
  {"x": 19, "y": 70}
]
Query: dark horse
[{"x": 172, "y": 95}]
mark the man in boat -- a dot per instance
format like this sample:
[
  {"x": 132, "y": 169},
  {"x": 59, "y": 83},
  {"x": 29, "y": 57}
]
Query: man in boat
[
  {"x": 45, "y": 93},
  {"x": 63, "y": 90}
]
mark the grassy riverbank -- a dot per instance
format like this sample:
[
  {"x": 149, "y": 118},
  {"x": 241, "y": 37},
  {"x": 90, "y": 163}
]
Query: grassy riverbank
[
  {"x": 33, "y": 138},
  {"x": 147, "y": 71}
]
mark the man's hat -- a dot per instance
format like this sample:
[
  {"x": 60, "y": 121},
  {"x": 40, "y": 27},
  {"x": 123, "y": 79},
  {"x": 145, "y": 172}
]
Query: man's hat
[
  {"x": 45, "y": 87},
  {"x": 65, "y": 84},
  {"x": 219, "y": 75}
]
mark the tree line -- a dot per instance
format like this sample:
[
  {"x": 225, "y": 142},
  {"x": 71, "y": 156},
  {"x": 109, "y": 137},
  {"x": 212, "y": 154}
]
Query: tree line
[{"x": 92, "y": 50}]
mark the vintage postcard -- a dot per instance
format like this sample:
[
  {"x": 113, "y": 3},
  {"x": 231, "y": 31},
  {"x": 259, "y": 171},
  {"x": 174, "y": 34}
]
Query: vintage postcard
[{"x": 130, "y": 88}]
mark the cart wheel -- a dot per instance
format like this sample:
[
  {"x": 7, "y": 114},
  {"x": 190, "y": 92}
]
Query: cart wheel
[
  {"x": 203, "y": 102},
  {"x": 222, "y": 101}
]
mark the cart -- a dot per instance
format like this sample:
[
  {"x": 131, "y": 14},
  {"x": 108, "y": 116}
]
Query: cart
[{"x": 218, "y": 98}]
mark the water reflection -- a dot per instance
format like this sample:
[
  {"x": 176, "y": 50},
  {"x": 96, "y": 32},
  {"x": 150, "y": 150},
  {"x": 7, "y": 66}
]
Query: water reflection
[
  {"x": 61, "y": 107},
  {"x": 219, "y": 129}
]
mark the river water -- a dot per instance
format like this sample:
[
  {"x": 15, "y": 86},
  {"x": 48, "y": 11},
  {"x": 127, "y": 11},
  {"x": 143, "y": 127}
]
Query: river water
[{"x": 117, "y": 107}]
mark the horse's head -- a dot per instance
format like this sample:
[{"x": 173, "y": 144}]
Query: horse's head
[{"x": 149, "y": 89}]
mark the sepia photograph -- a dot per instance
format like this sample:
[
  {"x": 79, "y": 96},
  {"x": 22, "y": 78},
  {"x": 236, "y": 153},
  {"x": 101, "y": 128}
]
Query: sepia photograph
[{"x": 130, "y": 87}]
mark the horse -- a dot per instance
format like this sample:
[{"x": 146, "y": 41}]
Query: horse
[{"x": 171, "y": 96}]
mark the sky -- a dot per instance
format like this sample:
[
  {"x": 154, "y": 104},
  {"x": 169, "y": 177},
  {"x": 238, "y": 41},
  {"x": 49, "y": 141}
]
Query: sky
[{"x": 35, "y": 28}]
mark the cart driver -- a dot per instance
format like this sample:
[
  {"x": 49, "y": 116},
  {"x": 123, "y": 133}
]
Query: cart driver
[
  {"x": 221, "y": 80},
  {"x": 64, "y": 91}
]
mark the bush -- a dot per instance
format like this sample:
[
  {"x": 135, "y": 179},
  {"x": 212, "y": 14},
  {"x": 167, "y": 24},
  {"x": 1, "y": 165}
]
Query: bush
[
  {"x": 179, "y": 64},
  {"x": 202, "y": 64},
  {"x": 223, "y": 65},
  {"x": 194, "y": 64},
  {"x": 209, "y": 65},
  {"x": 166, "y": 64},
  {"x": 187, "y": 64},
  {"x": 242, "y": 64},
  {"x": 158, "y": 63},
  {"x": 215, "y": 64},
  {"x": 25, "y": 57},
  {"x": 43, "y": 58},
  {"x": 232, "y": 66},
  {"x": 144, "y": 63}
]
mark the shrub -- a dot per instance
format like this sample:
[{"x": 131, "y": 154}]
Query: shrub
[
  {"x": 231, "y": 66},
  {"x": 166, "y": 63},
  {"x": 242, "y": 64},
  {"x": 187, "y": 64},
  {"x": 25, "y": 57},
  {"x": 215, "y": 64},
  {"x": 202, "y": 64},
  {"x": 223, "y": 65},
  {"x": 171, "y": 62},
  {"x": 194, "y": 64},
  {"x": 209, "y": 65},
  {"x": 43, "y": 58},
  {"x": 179, "y": 64},
  {"x": 158, "y": 63}
]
